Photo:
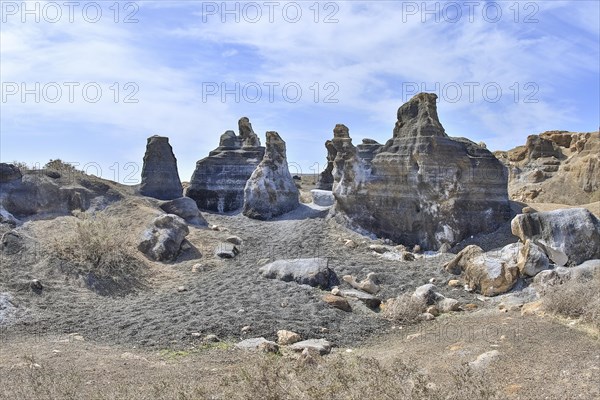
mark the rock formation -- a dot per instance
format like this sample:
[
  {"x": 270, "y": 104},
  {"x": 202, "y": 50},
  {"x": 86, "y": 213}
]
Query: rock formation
[
  {"x": 325, "y": 181},
  {"x": 160, "y": 178},
  {"x": 185, "y": 208},
  {"x": 219, "y": 180},
  {"x": 421, "y": 187},
  {"x": 305, "y": 271},
  {"x": 555, "y": 167},
  {"x": 271, "y": 191}
]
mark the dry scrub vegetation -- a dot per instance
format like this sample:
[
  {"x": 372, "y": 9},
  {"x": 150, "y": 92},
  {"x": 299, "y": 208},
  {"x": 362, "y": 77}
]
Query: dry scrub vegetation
[
  {"x": 576, "y": 298},
  {"x": 269, "y": 378},
  {"x": 99, "y": 249}
]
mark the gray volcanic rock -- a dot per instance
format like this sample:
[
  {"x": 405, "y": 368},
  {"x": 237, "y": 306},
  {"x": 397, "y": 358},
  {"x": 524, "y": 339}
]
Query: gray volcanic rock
[
  {"x": 162, "y": 241},
  {"x": 271, "y": 191},
  {"x": 305, "y": 271},
  {"x": 9, "y": 173},
  {"x": 421, "y": 187},
  {"x": 185, "y": 208},
  {"x": 325, "y": 181},
  {"x": 160, "y": 178},
  {"x": 219, "y": 180},
  {"x": 567, "y": 236}
]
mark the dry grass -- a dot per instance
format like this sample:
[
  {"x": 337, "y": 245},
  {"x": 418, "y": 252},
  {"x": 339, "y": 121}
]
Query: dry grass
[
  {"x": 404, "y": 309},
  {"x": 268, "y": 378},
  {"x": 99, "y": 250},
  {"x": 576, "y": 298}
]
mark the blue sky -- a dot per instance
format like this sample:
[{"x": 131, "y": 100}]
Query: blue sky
[{"x": 184, "y": 62}]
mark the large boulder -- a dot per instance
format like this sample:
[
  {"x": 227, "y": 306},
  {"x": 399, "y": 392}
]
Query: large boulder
[
  {"x": 532, "y": 259},
  {"x": 490, "y": 273},
  {"x": 567, "y": 236},
  {"x": 185, "y": 208},
  {"x": 162, "y": 241},
  {"x": 160, "y": 178},
  {"x": 305, "y": 271},
  {"x": 271, "y": 191},
  {"x": 421, "y": 187},
  {"x": 322, "y": 198},
  {"x": 219, "y": 180}
]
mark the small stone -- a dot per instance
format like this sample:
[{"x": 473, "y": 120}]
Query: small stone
[
  {"x": 454, "y": 283},
  {"x": 416, "y": 249},
  {"x": 246, "y": 329},
  {"x": 427, "y": 317},
  {"x": 379, "y": 248},
  {"x": 181, "y": 289},
  {"x": 35, "y": 284},
  {"x": 469, "y": 307},
  {"x": 335, "y": 291},
  {"x": 350, "y": 244},
  {"x": 433, "y": 310},
  {"x": 320, "y": 345},
  {"x": 268, "y": 347},
  {"x": 196, "y": 334},
  {"x": 226, "y": 250},
  {"x": 448, "y": 304},
  {"x": 407, "y": 256},
  {"x": 214, "y": 228},
  {"x": 234, "y": 240},
  {"x": 324, "y": 330},
  {"x": 197, "y": 268},
  {"x": 211, "y": 339},
  {"x": 287, "y": 337},
  {"x": 432, "y": 280},
  {"x": 337, "y": 302}
]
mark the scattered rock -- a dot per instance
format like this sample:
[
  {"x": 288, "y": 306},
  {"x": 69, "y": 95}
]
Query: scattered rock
[
  {"x": 226, "y": 250},
  {"x": 454, "y": 283},
  {"x": 469, "y": 307},
  {"x": 350, "y": 244},
  {"x": 433, "y": 310},
  {"x": 369, "y": 300},
  {"x": 35, "y": 284},
  {"x": 234, "y": 240},
  {"x": 219, "y": 180},
  {"x": 185, "y": 208},
  {"x": 335, "y": 291},
  {"x": 421, "y": 187},
  {"x": 567, "y": 236},
  {"x": 320, "y": 345},
  {"x": 379, "y": 248},
  {"x": 181, "y": 289},
  {"x": 260, "y": 344},
  {"x": 427, "y": 294},
  {"x": 211, "y": 339},
  {"x": 306, "y": 271},
  {"x": 322, "y": 198},
  {"x": 485, "y": 359},
  {"x": 162, "y": 241},
  {"x": 337, "y": 302},
  {"x": 160, "y": 178},
  {"x": 407, "y": 256},
  {"x": 285, "y": 338},
  {"x": 366, "y": 285},
  {"x": 270, "y": 191},
  {"x": 246, "y": 329},
  {"x": 426, "y": 317},
  {"x": 446, "y": 305}
]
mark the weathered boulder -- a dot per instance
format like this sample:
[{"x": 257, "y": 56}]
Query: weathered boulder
[
  {"x": 338, "y": 302},
  {"x": 366, "y": 285},
  {"x": 427, "y": 294},
  {"x": 9, "y": 173},
  {"x": 560, "y": 275},
  {"x": 305, "y": 271},
  {"x": 532, "y": 259},
  {"x": 219, "y": 180},
  {"x": 490, "y": 273},
  {"x": 185, "y": 208},
  {"x": 320, "y": 345},
  {"x": 567, "y": 236},
  {"x": 162, "y": 241},
  {"x": 160, "y": 178},
  {"x": 369, "y": 300},
  {"x": 325, "y": 181},
  {"x": 322, "y": 198},
  {"x": 421, "y": 187},
  {"x": 270, "y": 191},
  {"x": 285, "y": 338},
  {"x": 258, "y": 344}
]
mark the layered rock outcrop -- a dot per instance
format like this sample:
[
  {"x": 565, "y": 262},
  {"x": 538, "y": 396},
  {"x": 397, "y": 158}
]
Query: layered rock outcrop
[
  {"x": 555, "y": 167},
  {"x": 270, "y": 191},
  {"x": 219, "y": 180},
  {"x": 421, "y": 187},
  {"x": 325, "y": 181},
  {"x": 160, "y": 178}
]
